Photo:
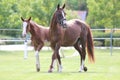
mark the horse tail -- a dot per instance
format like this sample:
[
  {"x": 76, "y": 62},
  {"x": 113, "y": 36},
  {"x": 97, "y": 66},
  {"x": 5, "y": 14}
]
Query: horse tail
[{"x": 90, "y": 46}]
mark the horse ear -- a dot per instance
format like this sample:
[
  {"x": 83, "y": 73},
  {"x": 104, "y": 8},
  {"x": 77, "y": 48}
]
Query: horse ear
[
  {"x": 29, "y": 19},
  {"x": 63, "y": 6},
  {"x": 22, "y": 19},
  {"x": 58, "y": 6}
]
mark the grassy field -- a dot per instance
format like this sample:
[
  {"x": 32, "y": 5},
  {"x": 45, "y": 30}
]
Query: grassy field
[{"x": 14, "y": 67}]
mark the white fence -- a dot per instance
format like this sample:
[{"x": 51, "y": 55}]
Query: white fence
[{"x": 111, "y": 31}]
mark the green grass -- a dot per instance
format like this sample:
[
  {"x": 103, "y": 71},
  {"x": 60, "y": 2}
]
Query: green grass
[{"x": 14, "y": 67}]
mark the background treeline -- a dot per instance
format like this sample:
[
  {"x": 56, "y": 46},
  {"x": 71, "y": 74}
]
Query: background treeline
[{"x": 101, "y": 13}]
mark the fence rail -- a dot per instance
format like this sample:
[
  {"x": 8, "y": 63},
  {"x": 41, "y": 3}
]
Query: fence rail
[
  {"x": 10, "y": 29},
  {"x": 12, "y": 40},
  {"x": 111, "y": 31}
]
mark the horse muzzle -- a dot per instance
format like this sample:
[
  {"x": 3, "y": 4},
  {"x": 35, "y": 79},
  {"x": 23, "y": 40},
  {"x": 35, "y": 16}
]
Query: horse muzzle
[
  {"x": 23, "y": 35},
  {"x": 64, "y": 25}
]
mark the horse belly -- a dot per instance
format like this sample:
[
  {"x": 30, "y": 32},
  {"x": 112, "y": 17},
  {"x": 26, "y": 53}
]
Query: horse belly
[{"x": 69, "y": 41}]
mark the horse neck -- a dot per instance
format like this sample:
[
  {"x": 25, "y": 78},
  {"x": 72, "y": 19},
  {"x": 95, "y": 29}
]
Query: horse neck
[
  {"x": 55, "y": 31},
  {"x": 53, "y": 25},
  {"x": 38, "y": 31},
  {"x": 33, "y": 29}
]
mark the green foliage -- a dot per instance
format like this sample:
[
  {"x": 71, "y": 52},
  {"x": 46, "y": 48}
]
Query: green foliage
[
  {"x": 42, "y": 10},
  {"x": 104, "y": 13},
  {"x": 98, "y": 43},
  {"x": 101, "y": 13},
  {"x": 76, "y": 4},
  {"x": 107, "y": 42},
  {"x": 11, "y": 10},
  {"x": 7, "y": 14},
  {"x": 99, "y": 34},
  {"x": 107, "y": 34},
  {"x": 116, "y": 43},
  {"x": 69, "y": 14}
]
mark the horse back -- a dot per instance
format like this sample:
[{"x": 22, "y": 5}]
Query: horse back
[{"x": 75, "y": 29}]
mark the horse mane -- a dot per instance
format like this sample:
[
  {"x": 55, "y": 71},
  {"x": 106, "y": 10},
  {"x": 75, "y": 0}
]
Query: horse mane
[
  {"x": 53, "y": 21},
  {"x": 34, "y": 23}
]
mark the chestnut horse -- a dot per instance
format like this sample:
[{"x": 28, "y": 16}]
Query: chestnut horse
[
  {"x": 39, "y": 34},
  {"x": 70, "y": 33}
]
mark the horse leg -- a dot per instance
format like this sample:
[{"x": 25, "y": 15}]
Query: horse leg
[
  {"x": 37, "y": 57},
  {"x": 82, "y": 53},
  {"x": 78, "y": 48},
  {"x": 52, "y": 63},
  {"x": 59, "y": 62},
  {"x": 83, "y": 59},
  {"x": 54, "y": 56},
  {"x": 61, "y": 53},
  {"x": 37, "y": 61}
]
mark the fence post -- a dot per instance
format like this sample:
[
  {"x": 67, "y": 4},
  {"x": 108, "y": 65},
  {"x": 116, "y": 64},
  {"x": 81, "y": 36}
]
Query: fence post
[
  {"x": 25, "y": 49},
  {"x": 111, "y": 43}
]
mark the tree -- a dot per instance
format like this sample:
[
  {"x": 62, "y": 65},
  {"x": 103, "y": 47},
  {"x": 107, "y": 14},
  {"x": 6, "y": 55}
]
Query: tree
[
  {"x": 6, "y": 12},
  {"x": 76, "y": 4},
  {"x": 11, "y": 11},
  {"x": 103, "y": 13},
  {"x": 42, "y": 10},
  {"x": 116, "y": 14}
]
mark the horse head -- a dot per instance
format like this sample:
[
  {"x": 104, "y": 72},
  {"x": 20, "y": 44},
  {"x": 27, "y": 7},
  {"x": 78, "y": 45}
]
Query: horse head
[
  {"x": 60, "y": 15},
  {"x": 26, "y": 26}
]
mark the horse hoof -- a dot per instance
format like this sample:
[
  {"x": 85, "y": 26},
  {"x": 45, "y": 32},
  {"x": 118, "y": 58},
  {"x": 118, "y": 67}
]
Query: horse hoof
[
  {"x": 80, "y": 71},
  {"x": 50, "y": 71},
  {"x": 85, "y": 69},
  {"x": 38, "y": 70}
]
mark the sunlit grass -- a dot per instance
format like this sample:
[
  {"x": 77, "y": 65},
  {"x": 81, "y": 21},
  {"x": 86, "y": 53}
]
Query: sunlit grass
[{"x": 14, "y": 67}]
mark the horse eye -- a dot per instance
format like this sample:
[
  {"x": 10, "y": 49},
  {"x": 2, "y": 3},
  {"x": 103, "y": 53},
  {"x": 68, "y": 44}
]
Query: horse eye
[{"x": 59, "y": 15}]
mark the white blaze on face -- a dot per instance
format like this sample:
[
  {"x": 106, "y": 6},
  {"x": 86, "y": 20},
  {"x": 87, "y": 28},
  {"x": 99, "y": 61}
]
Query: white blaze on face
[
  {"x": 24, "y": 28},
  {"x": 64, "y": 21},
  {"x": 63, "y": 14}
]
